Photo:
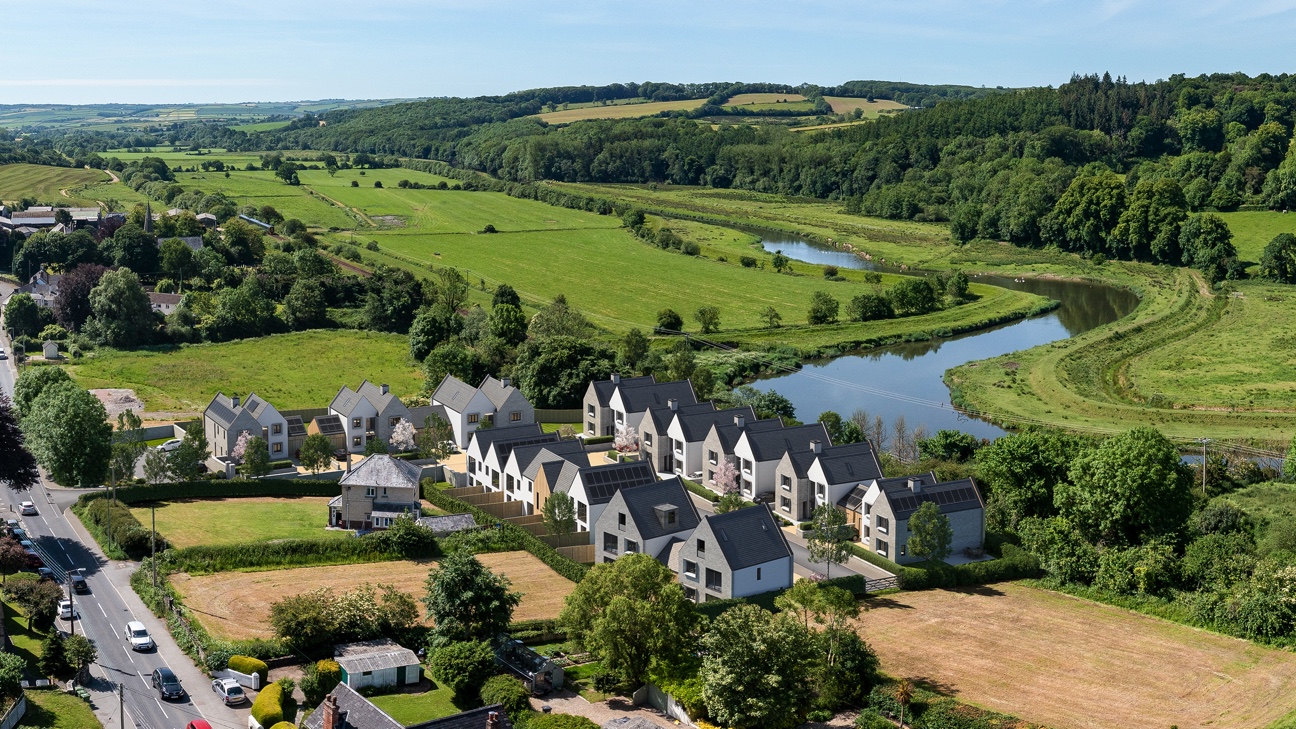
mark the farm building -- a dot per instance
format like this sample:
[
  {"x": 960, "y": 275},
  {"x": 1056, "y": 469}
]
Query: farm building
[
  {"x": 207, "y": 219},
  {"x": 330, "y": 426},
  {"x": 379, "y": 663}
]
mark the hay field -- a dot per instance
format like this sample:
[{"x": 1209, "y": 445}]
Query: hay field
[
  {"x": 236, "y": 605},
  {"x": 843, "y": 104},
  {"x": 618, "y": 111},
  {"x": 745, "y": 99},
  {"x": 44, "y": 182},
  {"x": 1072, "y": 664}
]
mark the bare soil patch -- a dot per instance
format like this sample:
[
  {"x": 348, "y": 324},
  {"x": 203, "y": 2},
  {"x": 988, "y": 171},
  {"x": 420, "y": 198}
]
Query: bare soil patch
[
  {"x": 1065, "y": 662},
  {"x": 117, "y": 401},
  {"x": 237, "y": 604}
]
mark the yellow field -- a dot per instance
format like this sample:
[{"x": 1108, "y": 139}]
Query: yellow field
[
  {"x": 745, "y": 99},
  {"x": 843, "y": 104},
  {"x": 618, "y": 111},
  {"x": 236, "y": 605}
]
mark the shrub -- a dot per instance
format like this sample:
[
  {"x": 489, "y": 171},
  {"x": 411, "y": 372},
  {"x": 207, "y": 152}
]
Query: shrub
[
  {"x": 747, "y": 261},
  {"x": 463, "y": 666},
  {"x": 830, "y": 271},
  {"x": 321, "y": 678},
  {"x": 508, "y": 692},
  {"x": 268, "y": 707},
  {"x": 250, "y": 665},
  {"x": 284, "y": 725},
  {"x": 689, "y": 248}
]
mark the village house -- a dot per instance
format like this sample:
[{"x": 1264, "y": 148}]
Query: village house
[
  {"x": 598, "y": 396},
  {"x": 227, "y": 417},
  {"x": 628, "y": 404},
  {"x": 591, "y": 488},
  {"x": 655, "y": 445},
  {"x": 736, "y": 554},
  {"x": 524, "y": 460},
  {"x": 164, "y": 304},
  {"x": 344, "y": 708},
  {"x": 483, "y": 455},
  {"x": 43, "y": 287},
  {"x": 494, "y": 401},
  {"x": 687, "y": 433},
  {"x": 379, "y": 490},
  {"x": 817, "y": 475},
  {"x": 368, "y": 412},
  {"x": 758, "y": 452},
  {"x": 883, "y": 507},
  {"x": 721, "y": 440},
  {"x": 647, "y": 519}
]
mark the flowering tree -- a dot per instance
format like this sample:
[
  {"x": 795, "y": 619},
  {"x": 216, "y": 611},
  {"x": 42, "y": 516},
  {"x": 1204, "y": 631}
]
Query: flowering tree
[
  {"x": 627, "y": 440},
  {"x": 403, "y": 436},
  {"x": 240, "y": 446},
  {"x": 726, "y": 477}
]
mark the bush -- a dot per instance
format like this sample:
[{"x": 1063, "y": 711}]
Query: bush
[
  {"x": 268, "y": 707},
  {"x": 321, "y": 678},
  {"x": 284, "y": 725},
  {"x": 290, "y": 552},
  {"x": 689, "y": 248},
  {"x": 508, "y": 692},
  {"x": 747, "y": 261},
  {"x": 250, "y": 665},
  {"x": 463, "y": 666}
]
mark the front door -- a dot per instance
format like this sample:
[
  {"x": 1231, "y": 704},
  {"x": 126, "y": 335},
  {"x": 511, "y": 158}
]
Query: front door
[{"x": 668, "y": 462}]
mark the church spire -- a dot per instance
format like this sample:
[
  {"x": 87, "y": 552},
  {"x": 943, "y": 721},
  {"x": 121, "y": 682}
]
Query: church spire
[{"x": 148, "y": 217}]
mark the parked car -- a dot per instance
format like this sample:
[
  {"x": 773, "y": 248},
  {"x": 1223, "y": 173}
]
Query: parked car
[
  {"x": 27, "y": 545},
  {"x": 11, "y": 524},
  {"x": 19, "y": 533},
  {"x": 28, "y": 509},
  {"x": 46, "y": 574},
  {"x": 138, "y": 636},
  {"x": 168, "y": 686},
  {"x": 2, "y": 354},
  {"x": 229, "y": 690},
  {"x": 198, "y": 724},
  {"x": 79, "y": 584},
  {"x": 68, "y": 611},
  {"x": 170, "y": 445}
]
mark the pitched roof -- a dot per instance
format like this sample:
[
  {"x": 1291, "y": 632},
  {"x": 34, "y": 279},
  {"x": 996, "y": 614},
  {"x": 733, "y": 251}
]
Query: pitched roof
[
  {"x": 296, "y": 428},
  {"x": 454, "y": 393},
  {"x": 419, "y": 414},
  {"x": 497, "y": 391},
  {"x": 194, "y": 242},
  {"x": 328, "y": 425},
  {"x": 730, "y": 433},
  {"x": 770, "y": 445},
  {"x": 254, "y": 404},
  {"x": 383, "y": 470},
  {"x": 696, "y": 424},
  {"x": 357, "y": 712},
  {"x": 949, "y": 497},
  {"x": 448, "y": 523},
  {"x": 850, "y": 462},
  {"x": 602, "y": 482},
  {"x": 164, "y": 299},
  {"x": 552, "y": 471},
  {"x": 503, "y": 433},
  {"x": 345, "y": 401},
  {"x": 527, "y": 455},
  {"x": 375, "y": 395},
  {"x": 373, "y": 655},
  {"x": 642, "y": 503},
  {"x": 603, "y": 389},
  {"x": 662, "y": 416},
  {"x": 748, "y": 537},
  {"x": 669, "y": 554},
  {"x": 471, "y": 719},
  {"x": 504, "y": 447},
  {"x": 223, "y": 410},
  {"x": 639, "y": 399}
]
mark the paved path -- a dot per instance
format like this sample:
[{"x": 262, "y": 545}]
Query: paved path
[{"x": 566, "y": 702}]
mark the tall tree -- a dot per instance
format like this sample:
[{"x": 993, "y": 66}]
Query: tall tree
[
  {"x": 930, "y": 534},
  {"x": 17, "y": 465},
  {"x": 1207, "y": 244},
  {"x": 1279, "y": 260},
  {"x": 67, "y": 432},
  {"x": 466, "y": 601},
  {"x": 304, "y": 306},
  {"x": 452, "y": 288},
  {"x": 756, "y": 668},
  {"x": 559, "y": 514},
  {"x": 555, "y": 371},
  {"x": 433, "y": 326},
  {"x": 22, "y": 315},
  {"x": 122, "y": 316},
  {"x": 72, "y": 307},
  {"x": 33, "y": 382},
  {"x": 829, "y": 541},
  {"x": 315, "y": 453}
]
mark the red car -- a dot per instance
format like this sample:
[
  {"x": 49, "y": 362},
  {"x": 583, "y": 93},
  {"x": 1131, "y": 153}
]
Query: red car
[{"x": 198, "y": 724}]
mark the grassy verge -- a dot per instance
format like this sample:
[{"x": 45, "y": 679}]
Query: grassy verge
[{"x": 57, "y": 710}]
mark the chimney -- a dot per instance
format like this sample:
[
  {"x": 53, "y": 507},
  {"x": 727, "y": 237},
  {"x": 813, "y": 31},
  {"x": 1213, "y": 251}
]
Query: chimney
[
  {"x": 492, "y": 720},
  {"x": 673, "y": 404},
  {"x": 234, "y": 400},
  {"x": 740, "y": 421},
  {"x": 384, "y": 388},
  {"x": 816, "y": 446},
  {"x": 506, "y": 381},
  {"x": 915, "y": 485},
  {"x": 332, "y": 716},
  {"x": 616, "y": 378}
]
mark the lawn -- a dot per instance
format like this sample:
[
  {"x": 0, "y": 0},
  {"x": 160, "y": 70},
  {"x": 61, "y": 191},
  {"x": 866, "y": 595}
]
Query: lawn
[
  {"x": 298, "y": 370},
  {"x": 56, "y": 710},
  {"x": 235, "y": 521},
  {"x": 237, "y": 604},
  {"x": 1070, "y": 663},
  {"x": 409, "y": 709},
  {"x": 26, "y": 644},
  {"x": 618, "y": 111},
  {"x": 44, "y": 183},
  {"x": 1253, "y": 229}
]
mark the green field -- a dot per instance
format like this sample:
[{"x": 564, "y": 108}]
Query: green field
[
  {"x": 298, "y": 370},
  {"x": 1264, "y": 501},
  {"x": 45, "y": 183},
  {"x": 236, "y": 521},
  {"x": 409, "y": 709},
  {"x": 1253, "y": 229}
]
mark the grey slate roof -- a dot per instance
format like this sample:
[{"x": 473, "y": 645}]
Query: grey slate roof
[
  {"x": 697, "y": 424},
  {"x": 164, "y": 299},
  {"x": 296, "y": 428},
  {"x": 419, "y": 414},
  {"x": 383, "y": 470},
  {"x": 641, "y": 502},
  {"x": 669, "y": 554},
  {"x": 496, "y": 391},
  {"x": 749, "y": 537},
  {"x": 602, "y": 482},
  {"x": 357, "y": 712},
  {"x": 603, "y": 389},
  {"x": 374, "y": 394},
  {"x": 504, "y": 447},
  {"x": 502, "y": 434},
  {"x": 345, "y": 401},
  {"x": 662, "y": 416},
  {"x": 639, "y": 399},
  {"x": 770, "y": 445},
  {"x": 850, "y": 462},
  {"x": 553, "y": 473},
  {"x": 729, "y": 433},
  {"x": 373, "y": 655},
  {"x": 254, "y": 404},
  {"x": 454, "y": 393},
  {"x": 473, "y": 719},
  {"x": 448, "y": 523},
  {"x": 194, "y": 242},
  {"x": 526, "y": 455},
  {"x": 949, "y": 497},
  {"x": 223, "y": 410}
]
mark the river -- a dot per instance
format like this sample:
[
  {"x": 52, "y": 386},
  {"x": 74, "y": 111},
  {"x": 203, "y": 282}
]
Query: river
[{"x": 907, "y": 379}]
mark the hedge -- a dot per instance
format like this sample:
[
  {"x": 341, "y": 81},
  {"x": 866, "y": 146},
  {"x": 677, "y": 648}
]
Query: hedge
[
  {"x": 268, "y": 707},
  {"x": 700, "y": 490},
  {"x": 221, "y": 488},
  {"x": 250, "y": 665},
  {"x": 1015, "y": 564},
  {"x": 599, "y": 440},
  {"x": 284, "y": 725},
  {"x": 128, "y": 535},
  {"x": 512, "y": 536},
  {"x": 373, "y": 547},
  {"x": 712, "y": 608}
]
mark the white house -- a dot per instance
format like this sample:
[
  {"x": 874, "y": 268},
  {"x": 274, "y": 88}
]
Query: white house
[
  {"x": 274, "y": 427},
  {"x": 592, "y": 487},
  {"x": 758, "y": 453},
  {"x": 517, "y": 485},
  {"x": 227, "y": 417},
  {"x": 369, "y": 412},
  {"x": 687, "y": 433},
  {"x": 737, "y": 554},
  {"x": 629, "y": 403},
  {"x": 487, "y": 451},
  {"x": 810, "y": 478},
  {"x": 494, "y": 400}
]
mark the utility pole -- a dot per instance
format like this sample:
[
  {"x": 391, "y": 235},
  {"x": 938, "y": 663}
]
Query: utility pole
[
  {"x": 1203, "y": 442},
  {"x": 72, "y": 608},
  {"x": 153, "y": 542},
  {"x": 121, "y": 706}
]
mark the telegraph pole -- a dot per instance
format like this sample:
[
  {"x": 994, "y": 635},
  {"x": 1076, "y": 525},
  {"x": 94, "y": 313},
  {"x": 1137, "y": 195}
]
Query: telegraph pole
[
  {"x": 121, "y": 706},
  {"x": 153, "y": 541}
]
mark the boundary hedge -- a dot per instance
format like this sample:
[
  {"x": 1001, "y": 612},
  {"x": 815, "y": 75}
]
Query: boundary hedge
[
  {"x": 232, "y": 488},
  {"x": 514, "y": 535}
]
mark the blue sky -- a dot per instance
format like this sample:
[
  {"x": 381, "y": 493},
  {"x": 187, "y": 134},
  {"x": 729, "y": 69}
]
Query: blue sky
[{"x": 269, "y": 50}]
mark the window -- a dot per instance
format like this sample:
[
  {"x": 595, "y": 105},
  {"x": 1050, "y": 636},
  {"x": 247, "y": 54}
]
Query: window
[
  {"x": 631, "y": 546},
  {"x": 367, "y": 673},
  {"x": 473, "y": 417},
  {"x": 277, "y": 428},
  {"x": 278, "y": 448},
  {"x": 746, "y": 465},
  {"x": 581, "y": 513},
  {"x": 785, "y": 504},
  {"x": 515, "y": 416},
  {"x": 670, "y": 517},
  {"x": 690, "y": 593},
  {"x": 881, "y": 546},
  {"x": 785, "y": 482},
  {"x": 868, "y": 509},
  {"x": 758, "y": 574},
  {"x": 472, "y": 464},
  {"x": 372, "y": 424},
  {"x": 647, "y": 439},
  {"x": 713, "y": 580},
  {"x": 710, "y": 476},
  {"x": 393, "y": 421},
  {"x": 589, "y": 428},
  {"x": 610, "y": 543},
  {"x": 370, "y": 492},
  {"x": 819, "y": 490},
  {"x": 621, "y": 521},
  {"x": 355, "y": 422},
  {"x": 902, "y": 548},
  {"x": 701, "y": 547},
  {"x": 712, "y": 458},
  {"x": 747, "y": 486},
  {"x": 883, "y": 524},
  {"x": 589, "y": 409},
  {"x": 690, "y": 569},
  {"x": 355, "y": 441}
]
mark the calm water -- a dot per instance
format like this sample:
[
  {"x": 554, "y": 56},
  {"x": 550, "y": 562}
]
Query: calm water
[{"x": 888, "y": 381}]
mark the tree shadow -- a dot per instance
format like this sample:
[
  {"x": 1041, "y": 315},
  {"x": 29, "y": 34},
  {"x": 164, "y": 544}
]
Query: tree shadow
[
  {"x": 934, "y": 685},
  {"x": 886, "y": 602},
  {"x": 981, "y": 590}
]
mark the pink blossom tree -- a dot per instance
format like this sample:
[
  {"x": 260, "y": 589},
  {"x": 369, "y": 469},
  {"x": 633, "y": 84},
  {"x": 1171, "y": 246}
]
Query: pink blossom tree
[
  {"x": 725, "y": 478},
  {"x": 240, "y": 446},
  {"x": 627, "y": 440},
  {"x": 403, "y": 436}
]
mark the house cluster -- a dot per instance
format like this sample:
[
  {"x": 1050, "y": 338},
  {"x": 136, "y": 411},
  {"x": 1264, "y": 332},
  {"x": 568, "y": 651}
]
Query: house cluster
[{"x": 44, "y": 217}]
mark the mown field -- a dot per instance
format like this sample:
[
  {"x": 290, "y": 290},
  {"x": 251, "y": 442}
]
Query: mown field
[
  {"x": 297, "y": 370},
  {"x": 871, "y": 109},
  {"x": 236, "y": 605},
  {"x": 618, "y": 111},
  {"x": 771, "y": 98},
  {"x": 194, "y": 522},
  {"x": 1072, "y": 664},
  {"x": 45, "y": 183}
]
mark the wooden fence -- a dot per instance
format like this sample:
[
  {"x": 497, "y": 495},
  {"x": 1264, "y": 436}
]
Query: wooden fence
[
  {"x": 583, "y": 553},
  {"x": 560, "y": 541},
  {"x": 882, "y": 583}
]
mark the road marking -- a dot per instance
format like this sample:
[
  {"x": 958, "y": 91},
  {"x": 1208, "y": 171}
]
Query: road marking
[
  {"x": 145, "y": 680},
  {"x": 132, "y": 658},
  {"x": 105, "y": 612},
  {"x": 159, "y": 703}
]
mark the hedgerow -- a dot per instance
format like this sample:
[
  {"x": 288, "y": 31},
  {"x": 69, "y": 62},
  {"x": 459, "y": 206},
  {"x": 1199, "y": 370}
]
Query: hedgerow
[{"x": 232, "y": 488}]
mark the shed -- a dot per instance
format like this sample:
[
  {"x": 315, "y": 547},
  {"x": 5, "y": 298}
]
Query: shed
[
  {"x": 207, "y": 219},
  {"x": 380, "y": 663},
  {"x": 330, "y": 426},
  {"x": 540, "y": 674},
  {"x": 50, "y": 350}
]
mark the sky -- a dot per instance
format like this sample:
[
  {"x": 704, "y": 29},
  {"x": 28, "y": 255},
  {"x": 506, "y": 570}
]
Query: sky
[{"x": 147, "y": 51}]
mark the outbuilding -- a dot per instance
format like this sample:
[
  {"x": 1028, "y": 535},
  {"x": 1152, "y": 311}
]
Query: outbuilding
[{"x": 379, "y": 663}]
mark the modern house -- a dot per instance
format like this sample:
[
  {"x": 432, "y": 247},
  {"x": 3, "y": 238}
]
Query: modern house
[
  {"x": 808, "y": 478},
  {"x": 590, "y": 487},
  {"x": 736, "y": 554},
  {"x": 378, "y": 663},
  {"x": 329, "y": 426},
  {"x": 628, "y": 404},
  {"x": 519, "y": 476},
  {"x": 647, "y": 519},
  {"x": 379, "y": 490},
  {"x": 758, "y": 452},
  {"x": 596, "y": 408},
  {"x": 881, "y": 509},
  {"x": 687, "y": 434},
  {"x": 485, "y": 467},
  {"x": 226, "y": 417},
  {"x": 344, "y": 708},
  {"x": 368, "y": 412},
  {"x": 495, "y": 401},
  {"x": 296, "y": 434},
  {"x": 723, "y": 437},
  {"x": 655, "y": 445}
]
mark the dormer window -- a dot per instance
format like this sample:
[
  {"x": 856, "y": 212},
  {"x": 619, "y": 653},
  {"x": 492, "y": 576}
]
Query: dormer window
[{"x": 670, "y": 517}]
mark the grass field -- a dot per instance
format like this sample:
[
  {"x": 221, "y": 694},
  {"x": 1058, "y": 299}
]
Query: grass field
[
  {"x": 26, "y": 643},
  {"x": 44, "y": 183},
  {"x": 237, "y": 604},
  {"x": 1264, "y": 501},
  {"x": 235, "y": 521},
  {"x": 618, "y": 111},
  {"x": 54, "y": 709},
  {"x": 871, "y": 109},
  {"x": 410, "y": 709},
  {"x": 261, "y": 126},
  {"x": 298, "y": 370},
  {"x": 758, "y": 99},
  {"x": 1070, "y": 664},
  {"x": 1253, "y": 229}
]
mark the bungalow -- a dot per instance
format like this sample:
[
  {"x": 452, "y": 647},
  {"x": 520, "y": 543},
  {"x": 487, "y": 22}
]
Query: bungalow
[
  {"x": 655, "y": 446},
  {"x": 736, "y": 554},
  {"x": 598, "y": 396},
  {"x": 368, "y": 412},
  {"x": 723, "y": 437},
  {"x": 379, "y": 490},
  {"x": 344, "y": 708},
  {"x": 164, "y": 304},
  {"x": 758, "y": 454},
  {"x": 227, "y": 417},
  {"x": 809, "y": 478},
  {"x": 519, "y": 474},
  {"x": 883, "y": 506},
  {"x": 492, "y": 401},
  {"x": 591, "y": 487},
  {"x": 647, "y": 519},
  {"x": 378, "y": 663},
  {"x": 485, "y": 465}
]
